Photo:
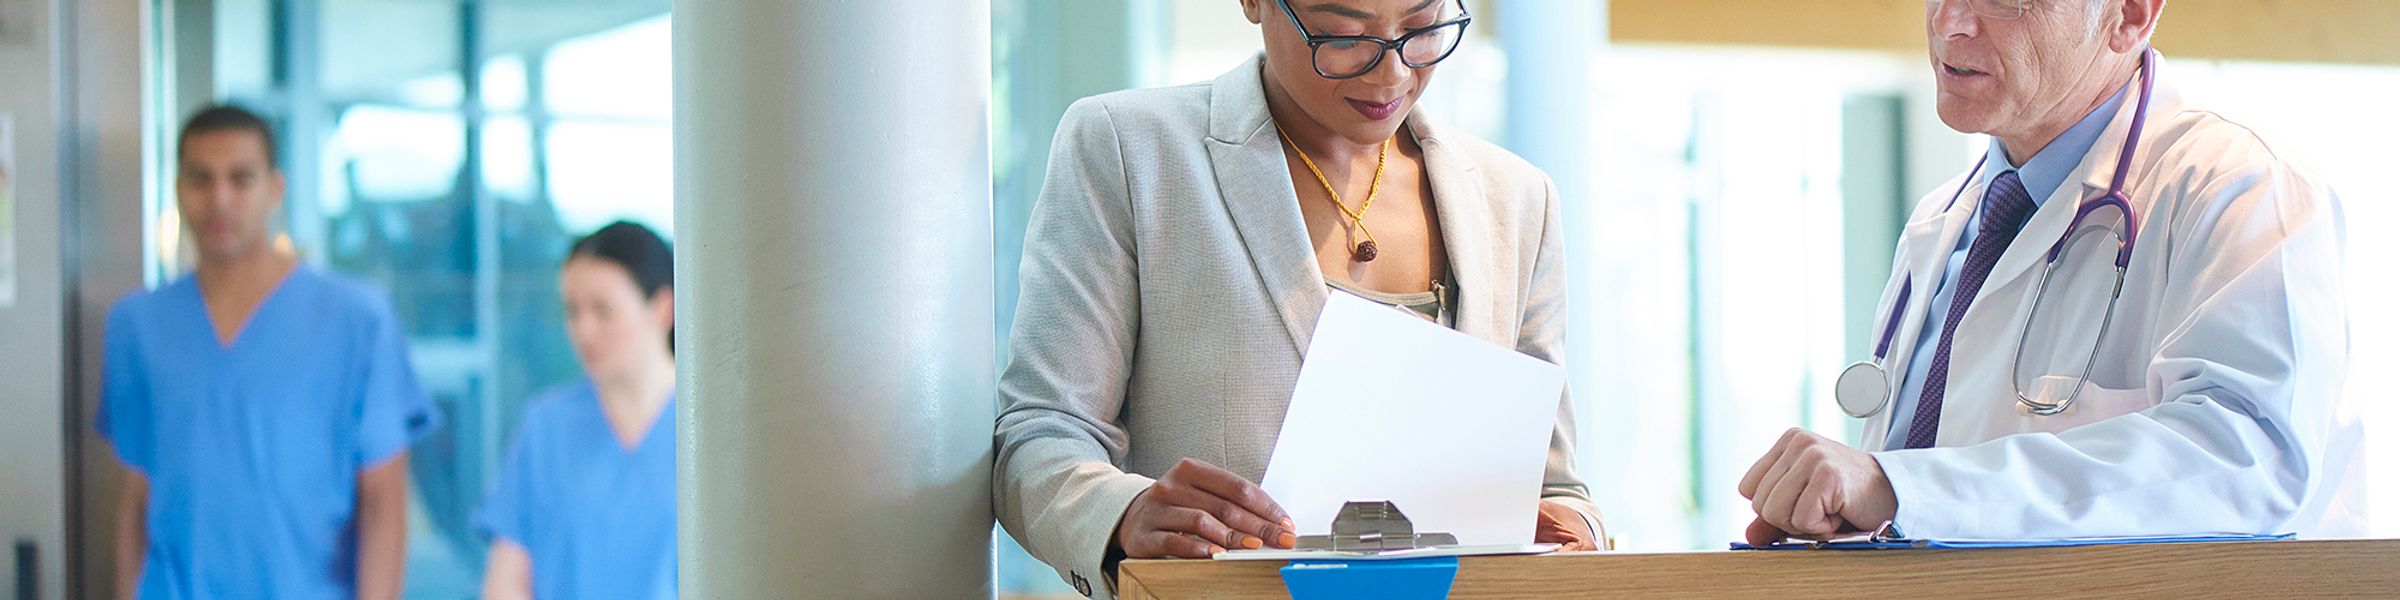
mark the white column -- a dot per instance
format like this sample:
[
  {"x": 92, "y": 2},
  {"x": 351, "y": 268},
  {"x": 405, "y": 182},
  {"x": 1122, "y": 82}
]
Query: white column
[
  {"x": 1551, "y": 47},
  {"x": 1552, "y": 107},
  {"x": 834, "y": 258}
]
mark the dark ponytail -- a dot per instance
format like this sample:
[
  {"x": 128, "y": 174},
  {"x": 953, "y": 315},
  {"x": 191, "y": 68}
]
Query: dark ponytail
[{"x": 643, "y": 254}]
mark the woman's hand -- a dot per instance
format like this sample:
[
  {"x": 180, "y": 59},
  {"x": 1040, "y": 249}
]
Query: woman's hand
[
  {"x": 1561, "y": 524},
  {"x": 1198, "y": 509}
]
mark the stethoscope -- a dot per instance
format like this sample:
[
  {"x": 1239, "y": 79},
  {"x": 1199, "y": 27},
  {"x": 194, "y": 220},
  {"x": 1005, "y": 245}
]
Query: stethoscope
[{"x": 1865, "y": 389}]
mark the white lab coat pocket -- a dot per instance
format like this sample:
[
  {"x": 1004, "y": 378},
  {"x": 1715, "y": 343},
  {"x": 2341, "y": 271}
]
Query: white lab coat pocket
[{"x": 2091, "y": 403}]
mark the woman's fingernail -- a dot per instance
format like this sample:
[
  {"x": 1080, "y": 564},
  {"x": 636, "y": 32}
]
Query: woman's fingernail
[
  {"x": 1286, "y": 540},
  {"x": 1251, "y": 543},
  {"x": 1287, "y": 523},
  {"x": 1213, "y": 550}
]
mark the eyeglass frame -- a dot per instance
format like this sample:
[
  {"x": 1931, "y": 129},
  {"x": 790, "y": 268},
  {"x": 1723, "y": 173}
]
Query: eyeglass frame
[{"x": 1315, "y": 42}]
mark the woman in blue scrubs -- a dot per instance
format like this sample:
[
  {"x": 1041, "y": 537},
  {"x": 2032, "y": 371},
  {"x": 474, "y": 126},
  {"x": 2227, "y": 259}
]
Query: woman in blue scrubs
[
  {"x": 585, "y": 506},
  {"x": 262, "y": 408}
]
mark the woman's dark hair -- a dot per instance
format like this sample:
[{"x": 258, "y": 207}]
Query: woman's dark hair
[{"x": 643, "y": 254}]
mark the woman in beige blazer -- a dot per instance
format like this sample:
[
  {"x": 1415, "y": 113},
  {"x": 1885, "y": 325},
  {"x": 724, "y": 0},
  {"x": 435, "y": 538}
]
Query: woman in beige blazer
[{"x": 1183, "y": 246}]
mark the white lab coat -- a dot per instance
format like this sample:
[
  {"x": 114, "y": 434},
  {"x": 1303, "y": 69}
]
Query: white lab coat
[{"x": 2214, "y": 406}]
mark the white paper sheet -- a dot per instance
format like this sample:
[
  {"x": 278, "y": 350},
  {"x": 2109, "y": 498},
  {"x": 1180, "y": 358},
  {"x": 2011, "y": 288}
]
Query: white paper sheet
[{"x": 1452, "y": 429}]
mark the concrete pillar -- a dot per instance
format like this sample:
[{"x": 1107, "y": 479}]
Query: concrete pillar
[{"x": 834, "y": 287}]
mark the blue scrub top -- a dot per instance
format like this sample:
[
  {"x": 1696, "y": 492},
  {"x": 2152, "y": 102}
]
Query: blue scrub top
[
  {"x": 253, "y": 450},
  {"x": 597, "y": 518}
]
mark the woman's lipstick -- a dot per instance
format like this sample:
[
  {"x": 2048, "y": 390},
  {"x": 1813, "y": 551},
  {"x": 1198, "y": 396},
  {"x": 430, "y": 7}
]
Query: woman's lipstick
[{"x": 1374, "y": 111}]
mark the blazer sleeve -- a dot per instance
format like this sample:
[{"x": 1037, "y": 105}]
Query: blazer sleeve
[
  {"x": 1542, "y": 334},
  {"x": 1057, "y": 443}
]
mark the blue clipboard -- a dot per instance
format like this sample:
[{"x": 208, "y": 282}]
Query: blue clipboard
[
  {"x": 1405, "y": 579},
  {"x": 1884, "y": 543}
]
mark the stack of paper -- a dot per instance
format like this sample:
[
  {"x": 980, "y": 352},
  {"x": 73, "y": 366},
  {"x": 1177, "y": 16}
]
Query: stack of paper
[{"x": 1452, "y": 429}]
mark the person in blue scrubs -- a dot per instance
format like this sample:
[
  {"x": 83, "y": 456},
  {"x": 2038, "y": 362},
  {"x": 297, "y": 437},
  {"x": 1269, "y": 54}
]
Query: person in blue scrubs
[
  {"x": 585, "y": 506},
  {"x": 263, "y": 409}
]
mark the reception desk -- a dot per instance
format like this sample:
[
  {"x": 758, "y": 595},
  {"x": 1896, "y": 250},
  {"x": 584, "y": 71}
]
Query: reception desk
[{"x": 2312, "y": 569}]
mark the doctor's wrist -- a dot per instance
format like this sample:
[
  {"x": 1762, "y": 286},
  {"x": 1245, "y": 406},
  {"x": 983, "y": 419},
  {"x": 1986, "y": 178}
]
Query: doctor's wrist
[{"x": 1875, "y": 503}]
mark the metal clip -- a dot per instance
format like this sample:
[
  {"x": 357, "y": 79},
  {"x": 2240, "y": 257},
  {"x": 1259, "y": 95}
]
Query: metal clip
[
  {"x": 1373, "y": 526},
  {"x": 1889, "y": 533},
  {"x": 1885, "y": 534}
]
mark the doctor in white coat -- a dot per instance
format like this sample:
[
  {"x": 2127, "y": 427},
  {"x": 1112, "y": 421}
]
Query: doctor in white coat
[{"x": 2212, "y": 400}]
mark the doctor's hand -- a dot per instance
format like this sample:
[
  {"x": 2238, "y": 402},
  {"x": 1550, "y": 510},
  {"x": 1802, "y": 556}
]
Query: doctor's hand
[
  {"x": 1198, "y": 509},
  {"x": 1561, "y": 524},
  {"x": 1811, "y": 487}
]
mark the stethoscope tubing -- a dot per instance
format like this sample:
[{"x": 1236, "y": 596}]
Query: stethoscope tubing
[{"x": 2114, "y": 198}]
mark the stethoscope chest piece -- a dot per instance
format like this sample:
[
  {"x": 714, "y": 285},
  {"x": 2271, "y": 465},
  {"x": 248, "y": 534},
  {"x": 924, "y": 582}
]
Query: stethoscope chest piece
[{"x": 1863, "y": 389}]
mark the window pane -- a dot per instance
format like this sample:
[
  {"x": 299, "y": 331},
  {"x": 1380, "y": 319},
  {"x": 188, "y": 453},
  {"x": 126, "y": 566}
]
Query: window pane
[{"x": 461, "y": 216}]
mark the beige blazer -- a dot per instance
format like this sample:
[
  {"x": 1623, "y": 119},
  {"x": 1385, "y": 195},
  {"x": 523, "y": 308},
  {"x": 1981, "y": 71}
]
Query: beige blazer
[{"x": 1169, "y": 288}]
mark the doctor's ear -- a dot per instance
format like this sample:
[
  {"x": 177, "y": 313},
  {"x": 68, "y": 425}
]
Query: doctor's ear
[
  {"x": 1253, "y": 10},
  {"x": 2135, "y": 20}
]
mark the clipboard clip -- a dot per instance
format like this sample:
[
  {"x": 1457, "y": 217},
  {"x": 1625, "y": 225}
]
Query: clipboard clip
[
  {"x": 1373, "y": 526},
  {"x": 1887, "y": 534}
]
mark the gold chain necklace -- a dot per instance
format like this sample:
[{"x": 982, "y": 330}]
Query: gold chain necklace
[{"x": 1364, "y": 251}]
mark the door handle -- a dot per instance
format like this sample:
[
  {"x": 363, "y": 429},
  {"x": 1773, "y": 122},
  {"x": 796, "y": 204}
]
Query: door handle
[{"x": 29, "y": 570}]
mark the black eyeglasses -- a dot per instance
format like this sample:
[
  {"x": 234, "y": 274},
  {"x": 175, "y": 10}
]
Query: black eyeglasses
[{"x": 1347, "y": 56}]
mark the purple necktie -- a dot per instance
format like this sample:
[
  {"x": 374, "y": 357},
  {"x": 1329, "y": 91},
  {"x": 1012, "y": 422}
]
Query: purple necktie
[{"x": 2005, "y": 207}]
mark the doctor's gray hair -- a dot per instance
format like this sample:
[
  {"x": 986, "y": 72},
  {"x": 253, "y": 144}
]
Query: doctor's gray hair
[{"x": 2096, "y": 13}]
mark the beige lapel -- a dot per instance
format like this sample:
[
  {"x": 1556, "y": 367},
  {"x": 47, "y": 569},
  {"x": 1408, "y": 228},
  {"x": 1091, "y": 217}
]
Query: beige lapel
[
  {"x": 1248, "y": 161},
  {"x": 1466, "y": 223},
  {"x": 1250, "y": 172}
]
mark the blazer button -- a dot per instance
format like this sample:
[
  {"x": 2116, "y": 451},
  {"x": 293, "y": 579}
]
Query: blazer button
[{"x": 1082, "y": 586}]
